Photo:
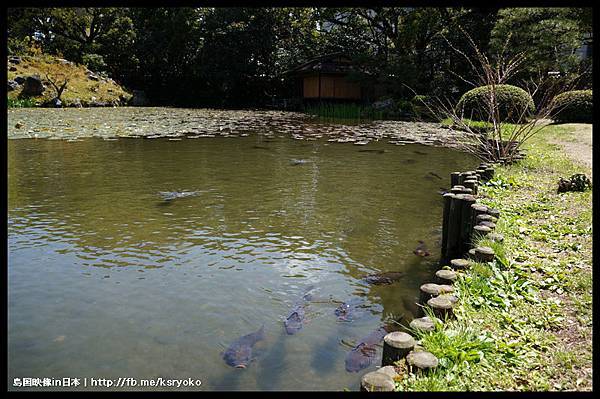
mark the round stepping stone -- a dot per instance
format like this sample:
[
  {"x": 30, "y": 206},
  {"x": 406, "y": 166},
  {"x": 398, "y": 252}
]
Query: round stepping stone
[
  {"x": 396, "y": 345},
  {"x": 482, "y": 229},
  {"x": 460, "y": 263},
  {"x": 494, "y": 212},
  {"x": 422, "y": 360},
  {"x": 445, "y": 289},
  {"x": 377, "y": 382},
  {"x": 479, "y": 208},
  {"x": 389, "y": 370},
  {"x": 489, "y": 224},
  {"x": 452, "y": 298},
  {"x": 424, "y": 323},
  {"x": 484, "y": 218},
  {"x": 446, "y": 276},
  {"x": 441, "y": 306},
  {"x": 484, "y": 254},
  {"x": 428, "y": 290}
]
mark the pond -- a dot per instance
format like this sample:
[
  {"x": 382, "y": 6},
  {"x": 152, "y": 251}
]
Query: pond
[{"x": 109, "y": 278}]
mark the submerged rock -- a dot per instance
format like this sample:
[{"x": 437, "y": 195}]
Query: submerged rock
[{"x": 384, "y": 278}]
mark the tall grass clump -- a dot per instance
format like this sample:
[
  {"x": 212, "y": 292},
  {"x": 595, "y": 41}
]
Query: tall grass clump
[
  {"x": 343, "y": 111},
  {"x": 21, "y": 102}
]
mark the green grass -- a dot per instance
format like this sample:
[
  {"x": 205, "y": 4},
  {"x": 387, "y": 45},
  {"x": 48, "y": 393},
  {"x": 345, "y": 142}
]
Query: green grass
[
  {"x": 477, "y": 125},
  {"x": 21, "y": 102},
  {"x": 524, "y": 321},
  {"x": 348, "y": 111}
]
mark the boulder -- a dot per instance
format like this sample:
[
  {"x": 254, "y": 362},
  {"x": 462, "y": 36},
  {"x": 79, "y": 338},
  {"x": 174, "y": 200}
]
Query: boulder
[
  {"x": 54, "y": 103},
  {"x": 12, "y": 68},
  {"x": 20, "y": 80},
  {"x": 91, "y": 76},
  {"x": 15, "y": 60},
  {"x": 33, "y": 86},
  {"x": 12, "y": 85}
]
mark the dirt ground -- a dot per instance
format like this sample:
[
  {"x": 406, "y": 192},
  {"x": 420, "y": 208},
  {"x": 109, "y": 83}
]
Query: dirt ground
[{"x": 580, "y": 147}]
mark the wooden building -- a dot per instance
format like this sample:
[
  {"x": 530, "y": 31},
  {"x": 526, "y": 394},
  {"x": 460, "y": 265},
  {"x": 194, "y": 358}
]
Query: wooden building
[{"x": 326, "y": 78}]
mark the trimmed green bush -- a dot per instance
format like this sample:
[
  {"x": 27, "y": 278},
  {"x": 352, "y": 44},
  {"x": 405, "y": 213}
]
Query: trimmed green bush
[
  {"x": 512, "y": 101},
  {"x": 573, "y": 106}
]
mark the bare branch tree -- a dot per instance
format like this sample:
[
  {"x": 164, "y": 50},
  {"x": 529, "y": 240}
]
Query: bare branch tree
[
  {"x": 59, "y": 89},
  {"x": 508, "y": 126}
]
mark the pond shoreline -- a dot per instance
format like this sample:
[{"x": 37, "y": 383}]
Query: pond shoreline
[{"x": 524, "y": 321}]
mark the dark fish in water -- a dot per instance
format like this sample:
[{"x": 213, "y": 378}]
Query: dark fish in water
[
  {"x": 376, "y": 151},
  {"x": 295, "y": 320},
  {"x": 171, "y": 195},
  {"x": 260, "y": 147},
  {"x": 409, "y": 161},
  {"x": 239, "y": 353},
  {"x": 435, "y": 175},
  {"x": 344, "y": 312},
  {"x": 298, "y": 161},
  {"x": 349, "y": 310},
  {"x": 384, "y": 278},
  {"x": 293, "y": 323},
  {"x": 362, "y": 355},
  {"x": 421, "y": 250},
  {"x": 420, "y": 153}
]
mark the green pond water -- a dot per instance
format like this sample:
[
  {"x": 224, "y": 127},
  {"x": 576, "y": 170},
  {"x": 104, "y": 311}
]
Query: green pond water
[{"x": 108, "y": 280}]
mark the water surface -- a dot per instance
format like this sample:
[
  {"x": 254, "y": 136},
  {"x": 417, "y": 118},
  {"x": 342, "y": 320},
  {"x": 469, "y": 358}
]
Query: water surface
[{"x": 106, "y": 279}]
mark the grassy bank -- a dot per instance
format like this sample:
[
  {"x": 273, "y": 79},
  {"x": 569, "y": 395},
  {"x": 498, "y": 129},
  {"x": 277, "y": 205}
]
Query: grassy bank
[
  {"x": 524, "y": 322},
  {"x": 80, "y": 87}
]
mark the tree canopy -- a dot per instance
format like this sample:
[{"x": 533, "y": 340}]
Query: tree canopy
[{"x": 237, "y": 56}]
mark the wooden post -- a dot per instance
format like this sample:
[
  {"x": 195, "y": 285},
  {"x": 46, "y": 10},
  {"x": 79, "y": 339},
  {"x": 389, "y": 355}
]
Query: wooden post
[
  {"x": 396, "y": 345},
  {"x": 480, "y": 232},
  {"x": 447, "y": 199},
  {"x": 485, "y": 218},
  {"x": 452, "y": 298},
  {"x": 428, "y": 291},
  {"x": 471, "y": 184},
  {"x": 484, "y": 254},
  {"x": 460, "y": 264},
  {"x": 494, "y": 212},
  {"x": 454, "y": 178},
  {"x": 471, "y": 254},
  {"x": 445, "y": 276},
  {"x": 491, "y": 225},
  {"x": 424, "y": 323},
  {"x": 466, "y": 223},
  {"x": 420, "y": 361},
  {"x": 454, "y": 219},
  {"x": 441, "y": 307},
  {"x": 377, "y": 382}
]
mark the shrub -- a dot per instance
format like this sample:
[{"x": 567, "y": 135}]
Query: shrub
[
  {"x": 94, "y": 62},
  {"x": 512, "y": 102},
  {"x": 573, "y": 106},
  {"x": 420, "y": 109}
]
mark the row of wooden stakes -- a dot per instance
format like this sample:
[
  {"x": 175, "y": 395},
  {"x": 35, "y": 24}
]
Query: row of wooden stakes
[{"x": 463, "y": 221}]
